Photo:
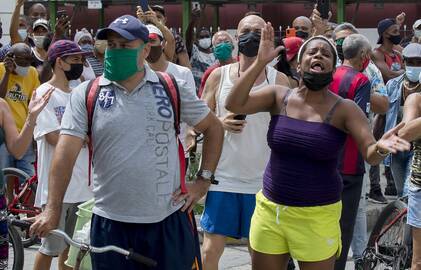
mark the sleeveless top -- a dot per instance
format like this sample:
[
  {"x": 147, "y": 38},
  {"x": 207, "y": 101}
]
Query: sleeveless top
[
  {"x": 303, "y": 166},
  {"x": 416, "y": 164},
  {"x": 393, "y": 62},
  {"x": 244, "y": 155}
]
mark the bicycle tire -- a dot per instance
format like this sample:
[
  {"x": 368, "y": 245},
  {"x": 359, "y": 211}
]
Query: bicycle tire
[
  {"x": 386, "y": 216},
  {"x": 15, "y": 172},
  {"x": 17, "y": 247}
]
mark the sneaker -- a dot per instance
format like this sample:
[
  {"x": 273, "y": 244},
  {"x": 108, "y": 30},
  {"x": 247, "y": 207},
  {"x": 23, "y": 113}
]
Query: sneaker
[
  {"x": 358, "y": 264},
  {"x": 377, "y": 197},
  {"x": 291, "y": 265},
  {"x": 390, "y": 191}
]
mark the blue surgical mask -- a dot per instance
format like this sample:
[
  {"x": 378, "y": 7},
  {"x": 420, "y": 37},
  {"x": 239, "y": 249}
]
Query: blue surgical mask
[
  {"x": 413, "y": 73},
  {"x": 87, "y": 47}
]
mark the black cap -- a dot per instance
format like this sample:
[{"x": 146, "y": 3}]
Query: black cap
[{"x": 383, "y": 26}]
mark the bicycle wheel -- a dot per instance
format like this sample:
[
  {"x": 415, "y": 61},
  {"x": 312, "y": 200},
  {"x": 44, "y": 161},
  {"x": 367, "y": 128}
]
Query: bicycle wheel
[
  {"x": 27, "y": 240},
  {"x": 16, "y": 255},
  {"x": 393, "y": 246}
]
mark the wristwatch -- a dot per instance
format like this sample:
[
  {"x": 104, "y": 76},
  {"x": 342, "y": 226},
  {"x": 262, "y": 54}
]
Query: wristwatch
[{"x": 207, "y": 175}]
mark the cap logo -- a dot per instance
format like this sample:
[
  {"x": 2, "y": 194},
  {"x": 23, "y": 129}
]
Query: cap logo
[{"x": 122, "y": 20}]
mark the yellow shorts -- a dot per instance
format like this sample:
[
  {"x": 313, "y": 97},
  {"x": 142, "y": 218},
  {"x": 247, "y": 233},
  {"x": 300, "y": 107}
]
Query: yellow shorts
[{"x": 308, "y": 234}]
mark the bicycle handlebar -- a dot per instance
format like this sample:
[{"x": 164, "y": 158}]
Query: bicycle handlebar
[{"x": 130, "y": 254}]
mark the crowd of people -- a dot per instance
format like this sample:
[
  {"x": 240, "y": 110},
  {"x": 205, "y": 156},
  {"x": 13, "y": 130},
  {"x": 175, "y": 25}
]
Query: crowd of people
[{"x": 290, "y": 127}]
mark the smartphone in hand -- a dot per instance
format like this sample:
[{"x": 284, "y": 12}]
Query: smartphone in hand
[
  {"x": 323, "y": 6},
  {"x": 240, "y": 117},
  {"x": 144, "y": 5}
]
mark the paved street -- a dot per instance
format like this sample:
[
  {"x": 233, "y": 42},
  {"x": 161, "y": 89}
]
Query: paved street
[{"x": 234, "y": 257}]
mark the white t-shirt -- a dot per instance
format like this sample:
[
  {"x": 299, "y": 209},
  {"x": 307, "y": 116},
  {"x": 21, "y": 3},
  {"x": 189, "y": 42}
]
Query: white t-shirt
[
  {"x": 181, "y": 73},
  {"x": 49, "y": 120}
]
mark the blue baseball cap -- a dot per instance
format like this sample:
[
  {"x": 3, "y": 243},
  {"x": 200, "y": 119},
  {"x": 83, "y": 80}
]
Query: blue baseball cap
[
  {"x": 383, "y": 26},
  {"x": 128, "y": 27}
]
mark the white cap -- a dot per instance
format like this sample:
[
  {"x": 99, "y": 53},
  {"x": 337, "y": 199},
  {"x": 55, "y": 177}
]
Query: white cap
[
  {"x": 153, "y": 30},
  {"x": 417, "y": 23},
  {"x": 81, "y": 34},
  {"x": 41, "y": 22}
]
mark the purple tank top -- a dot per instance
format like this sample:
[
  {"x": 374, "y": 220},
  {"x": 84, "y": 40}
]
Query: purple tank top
[{"x": 303, "y": 166}]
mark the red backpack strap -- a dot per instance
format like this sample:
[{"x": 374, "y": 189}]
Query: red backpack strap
[
  {"x": 171, "y": 87},
  {"x": 92, "y": 92}
]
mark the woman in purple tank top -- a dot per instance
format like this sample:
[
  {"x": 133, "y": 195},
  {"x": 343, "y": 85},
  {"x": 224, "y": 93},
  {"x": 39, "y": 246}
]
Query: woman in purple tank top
[{"x": 298, "y": 210}]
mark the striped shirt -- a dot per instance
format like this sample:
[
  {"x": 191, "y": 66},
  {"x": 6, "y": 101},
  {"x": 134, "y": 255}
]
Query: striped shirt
[
  {"x": 351, "y": 84},
  {"x": 96, "y": 65}
]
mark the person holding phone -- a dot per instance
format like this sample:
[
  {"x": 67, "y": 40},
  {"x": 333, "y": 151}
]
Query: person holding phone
[
  {"x": 149, "y": 16},
  {"x": 298, "y": 210},
  {"x": 239, "y": 172},
  {"x": 181, "y": 56}
]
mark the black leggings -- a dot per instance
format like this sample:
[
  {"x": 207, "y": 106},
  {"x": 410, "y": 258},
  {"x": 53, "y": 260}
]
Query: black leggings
[{"x": 351, "y": 195}]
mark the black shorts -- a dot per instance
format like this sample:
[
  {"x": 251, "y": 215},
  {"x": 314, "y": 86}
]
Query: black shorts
[{"x": 173, "y": 243}]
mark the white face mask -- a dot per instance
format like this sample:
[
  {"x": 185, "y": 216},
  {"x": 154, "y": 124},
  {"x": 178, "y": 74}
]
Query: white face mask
[
  {"x": 23, "y": 34},
  {"x": 205, "y": 43},
  {"x": 39, "y": 41},
  {"x": 417, "y": 33},
  {"x": 21, "y": 71}
]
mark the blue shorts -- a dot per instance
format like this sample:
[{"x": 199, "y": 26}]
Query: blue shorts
[
  {"x": 228, "y": 214},
  {"x": 414, "y": 206},
  {"x": 173, "y": 243},
  {"x": 25, "y": 163}
]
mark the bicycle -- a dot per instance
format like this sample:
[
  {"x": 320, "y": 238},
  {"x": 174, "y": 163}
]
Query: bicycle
[
  {"x": 86, "y": 248},
  {"x": 390, "y": 243},
  {"x": 15, "y": 252},
  {"x": 22, "y": 204}
]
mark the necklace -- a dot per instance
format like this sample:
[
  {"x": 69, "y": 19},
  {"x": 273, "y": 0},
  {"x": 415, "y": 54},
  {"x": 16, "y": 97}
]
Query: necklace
[{"x": 410, "y": 89}]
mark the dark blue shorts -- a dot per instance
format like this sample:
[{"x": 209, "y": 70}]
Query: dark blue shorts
[
  {"x": 173, "y": 243},
  {"x": 228, "y": 213}
]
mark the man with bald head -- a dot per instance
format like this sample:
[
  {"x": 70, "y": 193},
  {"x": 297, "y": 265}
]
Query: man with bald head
[
  {"x": 223, "y": 45},
  {"x": 18, "y": 81},
  {"x": 303, "y": 27},
  {"x": 229, "y": 207},
  {"x": 37, "y": 11}
]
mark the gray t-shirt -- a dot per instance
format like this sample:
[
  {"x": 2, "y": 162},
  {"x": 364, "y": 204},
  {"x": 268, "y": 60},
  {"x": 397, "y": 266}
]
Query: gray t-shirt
[{"x": 135, "y": 161}]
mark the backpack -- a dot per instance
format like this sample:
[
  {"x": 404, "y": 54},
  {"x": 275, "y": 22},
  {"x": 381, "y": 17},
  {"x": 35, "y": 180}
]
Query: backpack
[{"x": 171, "y": 88}]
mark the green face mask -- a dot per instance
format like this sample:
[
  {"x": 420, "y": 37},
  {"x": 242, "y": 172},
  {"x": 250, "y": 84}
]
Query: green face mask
[
  {"x": 121, "y": 64},
  {"x": 223, "y": 51}
]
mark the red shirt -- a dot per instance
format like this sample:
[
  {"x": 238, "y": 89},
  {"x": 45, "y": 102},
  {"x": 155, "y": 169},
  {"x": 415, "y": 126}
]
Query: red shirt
[{"x": 351, "y": 84}]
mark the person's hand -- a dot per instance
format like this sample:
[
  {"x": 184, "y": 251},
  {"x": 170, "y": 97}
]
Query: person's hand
[
  {"x": 19, "y": 3},
  {"x": 9, "y": 64},
  {"x": 391, "y": 142},
  {"x": 62, "y": 26},
  {"x": 45, "y": 222},
  {"x": 400, "y": 19},
  {"x": 232, "y": 125},
  {"x": 37, "y": 104},
  {"x": 267, "y": 51},
  {"x": 190, "y": 140},
  {"x": 320, "y": 25},
  {"x": 196, "y": 12},
  {"x": 195, "y": 191}
]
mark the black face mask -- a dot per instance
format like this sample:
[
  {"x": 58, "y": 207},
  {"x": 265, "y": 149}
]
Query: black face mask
[
  {"x": 317, "y": 81},
  {"x": 75, "y": 72},
  {"x": 154, "y": 54},
  {"x": 301, "y": 34},
  {"x": 395, "y": 39},
  {"x": 248, "y": 44},
  {"x": 340, "y": 52}
]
